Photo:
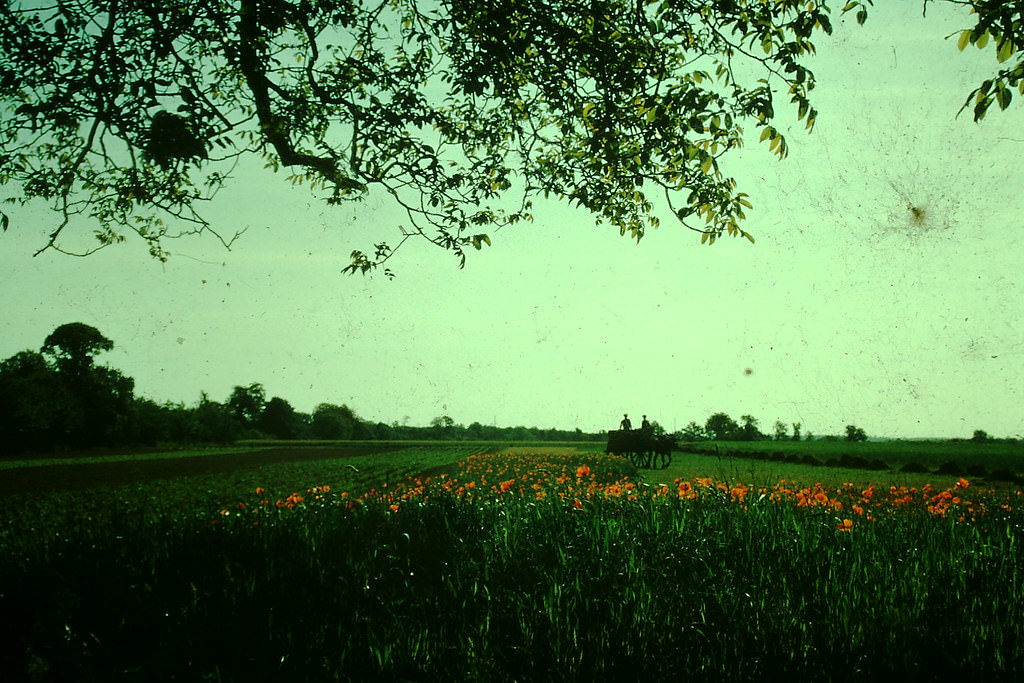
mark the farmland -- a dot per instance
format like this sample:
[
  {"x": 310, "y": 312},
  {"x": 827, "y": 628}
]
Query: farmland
[{"x": 484, "y": 562}]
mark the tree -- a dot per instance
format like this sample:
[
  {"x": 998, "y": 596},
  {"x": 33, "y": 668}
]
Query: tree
[
  {"x": 126, "y": 115},
  {"x": 796, "y": 432},
  {"x": 247, "y": 403},
  {"x": 442, "y": 427},
  {"x": 59, "y": 398},
  {"x": 694, "y": 432},
  {"x": 106, "y": 398},
  {"x": 854, "y": 433},
  {"x": 980, "y": 436},
  {"x": 167, "y": 423},
  {"x": 721, "y": 427},
  {"x": 102, "y": 396},
  {"x": 781, "y": 432},
  {"x": 73, "y": 345},
  {"x": 749, "y": 430},
  {"x": 475, "y": 431},
  {"x": 280, "y": 420},
  {"x": 333, "y": 422},
  {"x": 214, "y": 422},
  {"x": 37, "y": 411}
]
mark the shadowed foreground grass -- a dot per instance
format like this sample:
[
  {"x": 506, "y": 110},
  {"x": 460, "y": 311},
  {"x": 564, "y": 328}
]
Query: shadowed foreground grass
[{"x": 548, "y": 568}]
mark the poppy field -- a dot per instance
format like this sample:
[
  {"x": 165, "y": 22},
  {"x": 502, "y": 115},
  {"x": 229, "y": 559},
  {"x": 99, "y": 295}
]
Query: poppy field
[{"x": 523, "y": 564}]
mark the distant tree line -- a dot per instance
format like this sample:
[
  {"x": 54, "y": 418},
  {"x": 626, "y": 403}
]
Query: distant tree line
[
  {"x": 721, "y": 427},
  {"x": 59, "y": 398}
]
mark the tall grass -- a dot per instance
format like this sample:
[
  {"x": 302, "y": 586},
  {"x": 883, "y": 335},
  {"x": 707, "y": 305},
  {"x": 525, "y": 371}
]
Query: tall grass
[{"x": 508, "y": 584}]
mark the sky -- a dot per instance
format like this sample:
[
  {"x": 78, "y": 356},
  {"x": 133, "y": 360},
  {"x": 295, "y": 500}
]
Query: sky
[{"x": 847, "y": 310}]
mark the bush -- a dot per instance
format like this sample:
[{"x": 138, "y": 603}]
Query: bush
[
  {"x": 951, "y": 468},
  {"x": 977, "y": 470},
  {"x": 1003, "y": 474}
]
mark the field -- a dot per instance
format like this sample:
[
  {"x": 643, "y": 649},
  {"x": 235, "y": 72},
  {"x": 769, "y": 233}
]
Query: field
[
  {"x": 997, "y": 460},
  {"x": 485, "y": 562}
]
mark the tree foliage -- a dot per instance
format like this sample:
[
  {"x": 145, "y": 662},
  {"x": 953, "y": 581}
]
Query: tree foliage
[
  {"x": 332, "y": 421},
  {"x": 749, "y": 430},
  {"x": 60, "y": 398},
  {"x": 694, "y": 432},
  {"x": 280, "y": 420},
  {"x": 127, "y": 115},
  {"x": 854, "y": 433},
  {"x": 721, "y": 427},
  {"x": 73, "y": 345},
  {"x": 247, "y": 403},
  {"x": 999, "y": 25}
]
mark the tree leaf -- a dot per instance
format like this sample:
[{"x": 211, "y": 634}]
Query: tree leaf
[
  {"x": 965, "y": 39},
  {"x": 1006, "y": 50},
  {"x": 1003, "y": 97}
]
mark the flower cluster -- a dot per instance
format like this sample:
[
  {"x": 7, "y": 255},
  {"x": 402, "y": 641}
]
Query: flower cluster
[
  {"x": 868, "y": 503},
  {"x": 575, "y": 479}
]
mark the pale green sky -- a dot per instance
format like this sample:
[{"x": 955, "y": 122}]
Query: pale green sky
[{"x": 846, "y": 310}]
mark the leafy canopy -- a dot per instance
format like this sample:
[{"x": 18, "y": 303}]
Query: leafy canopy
[
  {"x": 73, "y": 345},
  {"x": 128, "y": 115}
]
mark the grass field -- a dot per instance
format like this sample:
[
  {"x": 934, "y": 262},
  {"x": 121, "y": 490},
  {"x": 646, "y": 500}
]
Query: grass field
[
  {"x": 984, "y": 458},
  {"x": 456, "y": 562}
]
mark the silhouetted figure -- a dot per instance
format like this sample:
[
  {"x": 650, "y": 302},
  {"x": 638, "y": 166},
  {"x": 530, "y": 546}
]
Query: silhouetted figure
[
  {"x": 645, "y": 426},
  {"x": 625, "y": 425}
]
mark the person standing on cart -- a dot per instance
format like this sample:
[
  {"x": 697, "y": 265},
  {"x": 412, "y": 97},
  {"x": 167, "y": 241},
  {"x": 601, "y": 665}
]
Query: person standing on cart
[{"x": 645, "y": 427}]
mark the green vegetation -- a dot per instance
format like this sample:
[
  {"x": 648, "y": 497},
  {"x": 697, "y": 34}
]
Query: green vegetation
[
  {"x": 970, "y": 457},
  {"x": 558, "y": 567},
  {"x": 460, "y": 113}
]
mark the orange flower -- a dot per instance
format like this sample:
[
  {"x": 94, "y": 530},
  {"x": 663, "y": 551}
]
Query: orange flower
[
  {"x": 506, "y": 485},
  {"x": 260, "y": 491},
  {"x": 582, "y": 471},
  {"x": 394, "y": 507},
  {"x": 962, "y": 483},
  {"x": 846, "y": 525}
]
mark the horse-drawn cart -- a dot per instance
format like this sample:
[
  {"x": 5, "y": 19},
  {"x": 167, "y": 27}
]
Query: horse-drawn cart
[{"x": 642, "y": 448}]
